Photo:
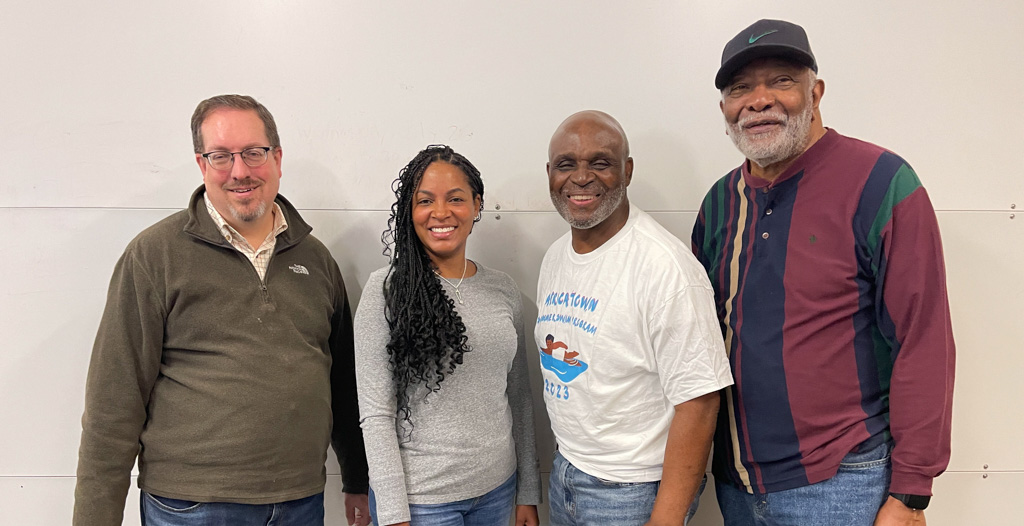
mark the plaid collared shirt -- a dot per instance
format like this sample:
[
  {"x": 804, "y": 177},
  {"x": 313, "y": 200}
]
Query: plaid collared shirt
[{"x": 259, "y": 257}]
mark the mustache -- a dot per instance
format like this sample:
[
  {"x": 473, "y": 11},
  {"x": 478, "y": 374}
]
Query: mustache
[
  {"x": 244, "y": 183},
  {"x": 570, "y": 187},
  {"x": 777, "y": 117}
]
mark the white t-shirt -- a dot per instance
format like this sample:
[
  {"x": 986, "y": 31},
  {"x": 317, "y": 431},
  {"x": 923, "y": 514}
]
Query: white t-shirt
[{"x": 633, "y": 332}]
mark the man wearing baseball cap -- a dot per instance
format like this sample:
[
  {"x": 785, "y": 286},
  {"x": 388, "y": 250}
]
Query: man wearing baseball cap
[{"x": 825, "y": 257}]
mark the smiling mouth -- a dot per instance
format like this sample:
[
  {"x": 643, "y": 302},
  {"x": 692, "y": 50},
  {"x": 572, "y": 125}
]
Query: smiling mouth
[
  {"x": 442, "y": 229},
  {"x": 582, "y": 199},
  {"x": 760, "y": 125}
]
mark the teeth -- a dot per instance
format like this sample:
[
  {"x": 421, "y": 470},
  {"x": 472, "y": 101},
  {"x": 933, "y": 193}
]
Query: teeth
[
  {"x": 442, "y": 229},
  {"x": 581, "y": 197}
]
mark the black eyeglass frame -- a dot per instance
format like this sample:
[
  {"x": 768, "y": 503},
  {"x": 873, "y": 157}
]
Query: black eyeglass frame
[{"x": 264, "y": 149}]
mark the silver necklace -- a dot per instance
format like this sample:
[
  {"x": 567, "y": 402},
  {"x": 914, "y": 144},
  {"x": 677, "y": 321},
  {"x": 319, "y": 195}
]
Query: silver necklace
[{"x": 458, "y": 294}]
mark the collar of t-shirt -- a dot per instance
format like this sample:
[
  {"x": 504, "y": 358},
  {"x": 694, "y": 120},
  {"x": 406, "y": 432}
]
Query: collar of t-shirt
[
  {"x": 597, "y": 253},
  {"x": 259, "y": 257}
]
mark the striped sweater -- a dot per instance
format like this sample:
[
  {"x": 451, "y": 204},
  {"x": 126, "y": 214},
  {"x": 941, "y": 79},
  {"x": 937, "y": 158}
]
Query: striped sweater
[{"x": 831, "y": 291}]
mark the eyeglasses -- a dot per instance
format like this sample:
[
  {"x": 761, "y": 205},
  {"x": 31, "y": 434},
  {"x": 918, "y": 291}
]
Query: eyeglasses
[{"x": 252, "y": 157}]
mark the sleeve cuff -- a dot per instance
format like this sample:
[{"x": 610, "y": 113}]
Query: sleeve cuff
[
  {"x": 911, "y": 483},
  {"x": 355, "y": 489}
]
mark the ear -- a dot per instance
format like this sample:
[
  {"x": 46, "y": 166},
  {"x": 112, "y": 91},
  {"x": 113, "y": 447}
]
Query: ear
[
  {"x": 817, "y": 92},
  {"x": 278, "y": 153},
  {"x": 477, "y": 205},
  {"x": 721, "y": 106},
  {"x": 203, "y": 165},
  {"x": 629, "y": 170}
]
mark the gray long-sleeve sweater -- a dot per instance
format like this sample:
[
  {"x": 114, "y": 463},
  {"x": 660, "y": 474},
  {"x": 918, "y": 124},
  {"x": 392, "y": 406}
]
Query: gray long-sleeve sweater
[{"x": 470, "y": 436}]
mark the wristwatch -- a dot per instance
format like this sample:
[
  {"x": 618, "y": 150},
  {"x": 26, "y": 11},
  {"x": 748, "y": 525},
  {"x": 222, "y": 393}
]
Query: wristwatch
[{"x": 914, "y": 502}]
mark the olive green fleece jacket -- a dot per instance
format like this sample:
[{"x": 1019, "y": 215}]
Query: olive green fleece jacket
[{"x": 221, "y": 384}]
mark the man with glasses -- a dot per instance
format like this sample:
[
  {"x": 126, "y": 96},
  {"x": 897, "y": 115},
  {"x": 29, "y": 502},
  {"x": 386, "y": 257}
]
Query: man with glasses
[{"x": 224, "y": 353}]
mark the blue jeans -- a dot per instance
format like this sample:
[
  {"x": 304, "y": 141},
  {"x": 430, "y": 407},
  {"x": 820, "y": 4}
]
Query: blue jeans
[
  {"x": 490, "y": 509},
  {"x": 576, "y": 498},
  {"x": 851, "y": 498},
  {"x": 162, "y": 511}
]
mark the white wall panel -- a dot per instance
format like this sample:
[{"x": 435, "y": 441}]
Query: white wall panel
[
  {"x": 983, "y": 257},
  {"x": 56, "y": 265},
  {"x": 975, "y": 498},
  {"x": 97, "y": 103}
]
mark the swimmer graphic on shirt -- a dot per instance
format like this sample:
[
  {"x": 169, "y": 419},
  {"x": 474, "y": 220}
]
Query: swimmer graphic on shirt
[
  {"x": 556, "y": 357},
  {"x": 565, "y": 355}
]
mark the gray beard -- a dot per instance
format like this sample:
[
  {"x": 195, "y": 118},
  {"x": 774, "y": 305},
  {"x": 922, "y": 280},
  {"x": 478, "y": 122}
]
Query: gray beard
[
  {"x": 787, "y": 143},
  {"x": 612, "y": 199},
  {"x": 246, "y": 216}
]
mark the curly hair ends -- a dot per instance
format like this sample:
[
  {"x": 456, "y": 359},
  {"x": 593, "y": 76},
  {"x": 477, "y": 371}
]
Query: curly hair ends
[{"x": 427, "y": 337}]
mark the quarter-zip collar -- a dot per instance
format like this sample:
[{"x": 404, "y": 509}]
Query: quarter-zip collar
[{"x": 201, "y": 226}]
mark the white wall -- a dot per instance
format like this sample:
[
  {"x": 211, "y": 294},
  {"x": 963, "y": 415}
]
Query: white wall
[{"x": 95, "y": 99}]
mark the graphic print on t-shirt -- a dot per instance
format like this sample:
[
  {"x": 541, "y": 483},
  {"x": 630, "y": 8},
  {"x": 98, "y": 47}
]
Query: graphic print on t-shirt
[{"x": 556, "y": 357}]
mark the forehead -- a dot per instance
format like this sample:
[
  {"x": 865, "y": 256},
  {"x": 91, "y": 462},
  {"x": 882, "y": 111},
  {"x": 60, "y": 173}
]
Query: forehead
[
  {"x": 770, "y": 65},
  {"x": 442, "y": 176},
  {"x": 233, "y": 128},
  {"x": 583, "y": 136}
]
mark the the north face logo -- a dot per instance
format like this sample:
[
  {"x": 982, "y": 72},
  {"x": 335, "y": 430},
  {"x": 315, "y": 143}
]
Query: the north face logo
[{"x": 299, "y": 269}]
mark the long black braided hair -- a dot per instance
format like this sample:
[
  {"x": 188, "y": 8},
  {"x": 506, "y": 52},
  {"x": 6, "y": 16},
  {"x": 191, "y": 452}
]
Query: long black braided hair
[{"x": 427, "y": 337}]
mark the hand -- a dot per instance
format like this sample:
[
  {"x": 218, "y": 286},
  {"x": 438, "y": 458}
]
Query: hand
[
  {"x": 526, "y": 515},
  {"x": 895, "y": 513},
  {"x": 357, "y": 509}
]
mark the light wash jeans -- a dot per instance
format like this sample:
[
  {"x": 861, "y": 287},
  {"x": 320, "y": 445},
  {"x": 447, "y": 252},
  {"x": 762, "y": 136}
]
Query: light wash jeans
[
  {"x": 851, "y": 498},
  {"x": 578, "y": 499},
  {"x": 493, "y": 508},
  {"x": 162, "y": 511}
]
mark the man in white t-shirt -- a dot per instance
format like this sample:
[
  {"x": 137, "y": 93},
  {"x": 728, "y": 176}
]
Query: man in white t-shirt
[{"x": 631, "y": 348}]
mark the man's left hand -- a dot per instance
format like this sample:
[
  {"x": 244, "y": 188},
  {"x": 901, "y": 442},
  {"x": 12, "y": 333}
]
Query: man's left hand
[
  {"x": 357, "y": 509},
  {"x": 895, "y": 513}
]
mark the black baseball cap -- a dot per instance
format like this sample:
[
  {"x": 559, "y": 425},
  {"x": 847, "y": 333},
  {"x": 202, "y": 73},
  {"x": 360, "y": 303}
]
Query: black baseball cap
[{"x": 765, "y": 38}]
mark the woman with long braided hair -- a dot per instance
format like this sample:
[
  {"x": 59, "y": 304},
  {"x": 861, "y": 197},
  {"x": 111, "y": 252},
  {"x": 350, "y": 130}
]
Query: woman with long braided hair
[{"x": 441, "y": 363}]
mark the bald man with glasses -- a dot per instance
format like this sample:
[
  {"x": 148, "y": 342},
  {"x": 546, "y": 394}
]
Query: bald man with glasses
[{"x": 224, "y": 353}]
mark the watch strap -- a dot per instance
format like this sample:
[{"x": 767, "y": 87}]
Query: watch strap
[{"x": 914, "y": 502}]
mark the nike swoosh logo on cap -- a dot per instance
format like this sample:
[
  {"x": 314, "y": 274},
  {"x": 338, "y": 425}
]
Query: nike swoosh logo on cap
[{"x": 755, "y": 39}]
